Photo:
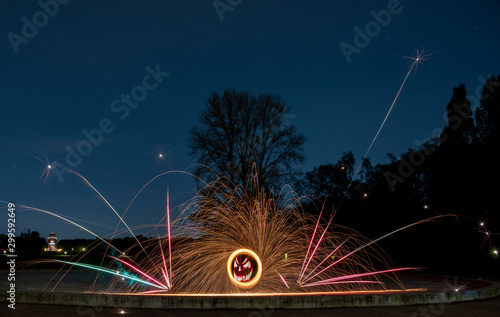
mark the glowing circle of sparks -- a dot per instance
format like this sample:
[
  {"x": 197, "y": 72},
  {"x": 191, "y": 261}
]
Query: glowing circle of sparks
[{"x": 255, "y": 277}]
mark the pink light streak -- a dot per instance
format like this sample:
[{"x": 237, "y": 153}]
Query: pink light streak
[
  {"x": 341, "y": 279},
  {"x": 164, "y": 270},
  {"x": 302, "y": 270},
  {"x": 317, "y": 246},
  {"x": 326, "y": 258},
  {"x": 140, "y": 272},
  {"x": 375, "y": 241},
  {"x": 169, "y": 236},
  {"x": 320, "y": 283},
  {"x": 283, "y": 279}
]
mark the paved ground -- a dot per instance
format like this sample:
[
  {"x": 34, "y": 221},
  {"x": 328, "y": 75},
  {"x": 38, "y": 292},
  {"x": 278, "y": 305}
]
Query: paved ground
[{"x": 486, "y": 308}]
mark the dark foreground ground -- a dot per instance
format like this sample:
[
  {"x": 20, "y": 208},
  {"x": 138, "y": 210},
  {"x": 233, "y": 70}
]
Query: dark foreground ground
[{"x": 485, "y": 308}]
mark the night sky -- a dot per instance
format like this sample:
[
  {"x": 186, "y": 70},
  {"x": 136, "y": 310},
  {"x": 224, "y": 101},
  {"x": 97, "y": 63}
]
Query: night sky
[{"x": 74, "y": 71}]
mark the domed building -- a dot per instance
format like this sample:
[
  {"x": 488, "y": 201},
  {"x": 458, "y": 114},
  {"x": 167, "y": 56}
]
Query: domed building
[{"x": 52, "y": 242}]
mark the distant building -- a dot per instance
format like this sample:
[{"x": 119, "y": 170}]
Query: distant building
[{"x": 52, "y": 242}]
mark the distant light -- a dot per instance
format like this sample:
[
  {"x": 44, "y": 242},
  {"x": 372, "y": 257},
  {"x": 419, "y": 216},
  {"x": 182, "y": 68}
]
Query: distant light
[
  {"x": 65, "y": 252},
  {"x": 481, "y": 224},
  {"x": 365, "y": 195},
  {"x": 49, "y": 166},
  {"x": 161, "y": 155},
  {"x": 456, "y": 290},
  {"x": 122, "y": 312},
  {"x": 494, "y": 252},
  {"x": 426, "y": 206},
  {"x": 487, "y": 233}
]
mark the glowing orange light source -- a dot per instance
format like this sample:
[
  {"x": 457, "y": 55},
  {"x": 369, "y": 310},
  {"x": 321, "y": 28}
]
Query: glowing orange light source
[{"x": 250, "y": 261}]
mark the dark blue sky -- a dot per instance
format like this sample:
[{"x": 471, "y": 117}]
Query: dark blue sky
[{"x": 67, "y": 77}]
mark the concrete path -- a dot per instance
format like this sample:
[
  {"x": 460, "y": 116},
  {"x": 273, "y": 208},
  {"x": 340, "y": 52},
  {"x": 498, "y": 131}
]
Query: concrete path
[{"x": 485, "y": 308}]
